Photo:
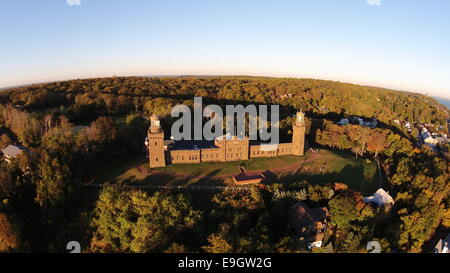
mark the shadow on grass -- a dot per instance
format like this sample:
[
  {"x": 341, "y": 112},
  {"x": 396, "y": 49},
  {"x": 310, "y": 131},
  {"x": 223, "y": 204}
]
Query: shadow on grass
[
  {"x": 352, "y": 175},
  {"x": 195, "y": 178}
]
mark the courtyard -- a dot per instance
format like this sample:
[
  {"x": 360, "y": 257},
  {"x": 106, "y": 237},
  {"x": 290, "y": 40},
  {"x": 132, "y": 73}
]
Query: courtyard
[{"x": 317, "y": 167}]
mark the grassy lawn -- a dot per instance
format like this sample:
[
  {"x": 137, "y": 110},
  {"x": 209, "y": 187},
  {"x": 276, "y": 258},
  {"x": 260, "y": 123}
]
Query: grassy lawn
[
  {"x": 359, "y": 174},
  {"x": 339, "y": 167},
  {"x": 229, "y": 168}
]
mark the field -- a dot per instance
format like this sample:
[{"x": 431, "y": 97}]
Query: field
[{"x": 326, "y": 166}]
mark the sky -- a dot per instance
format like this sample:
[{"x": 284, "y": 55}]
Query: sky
[{"x": 398, "y": 44}]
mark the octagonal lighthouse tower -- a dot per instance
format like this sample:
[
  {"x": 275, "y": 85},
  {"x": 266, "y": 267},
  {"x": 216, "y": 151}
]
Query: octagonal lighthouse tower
[
  {"x": 156, "y": 143},
  {"x": 298, "y": 134}
]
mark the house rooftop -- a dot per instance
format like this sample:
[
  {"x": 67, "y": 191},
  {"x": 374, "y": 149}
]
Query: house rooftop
[
  {"x": 443, "y": 246},
  {"x": 380, "y": 197},
  {"x": 191, "y": 144},
  {"x": 12, "y": 151},
  {"x": 248, "y": 177},
  {"x": 301, "y": 215}
]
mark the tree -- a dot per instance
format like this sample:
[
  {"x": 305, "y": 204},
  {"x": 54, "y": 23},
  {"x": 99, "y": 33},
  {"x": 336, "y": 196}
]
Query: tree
[
  {"x": 9, "y": 236},
  {"x": 350, "y": 244},
  {"x": 377, "y": 142},
  {"x": 55, "y": 184},
  {"x": 217, "y": 244},
  {"x": 134, "y": 221},
  {"x": 345, "y": 208},
  {"x": 5, "y": 140},
  {"x": 102, "y": 131}
]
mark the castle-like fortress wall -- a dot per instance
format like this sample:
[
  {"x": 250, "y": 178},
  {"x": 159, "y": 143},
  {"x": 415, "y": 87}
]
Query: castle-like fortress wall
[
  {"x": 284, "y": 149},
  {"x": 236, "y": 149},
  {"x": 184, "y": 156},
  {"x": 257, "y": 151},
  {"x": 210, "y": 155},
  {"x": 224, "y": 149}
]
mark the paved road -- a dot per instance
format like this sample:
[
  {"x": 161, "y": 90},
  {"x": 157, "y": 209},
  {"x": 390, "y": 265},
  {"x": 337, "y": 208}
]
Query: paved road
[{"x": 382, "y": 178}]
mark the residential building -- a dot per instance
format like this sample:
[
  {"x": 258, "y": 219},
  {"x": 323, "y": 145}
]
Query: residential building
[
  {"x": 380, "y": 197},
  {"x": 343, "y": 121},
  {"x": 309, "y": 222},
  {"x": 12, "y": 151},
  {"x": 428, "y": 139},
  {"x": 443, "y": 246}
]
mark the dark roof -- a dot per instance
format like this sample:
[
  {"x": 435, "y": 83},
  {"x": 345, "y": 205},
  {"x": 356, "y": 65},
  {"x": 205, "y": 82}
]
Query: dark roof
[
  {"x": 168, "y": 142},
  {"x": 300, "y": 215},
  {"x": 192, "y": 145},
  {"x": 248, "y": 176}
]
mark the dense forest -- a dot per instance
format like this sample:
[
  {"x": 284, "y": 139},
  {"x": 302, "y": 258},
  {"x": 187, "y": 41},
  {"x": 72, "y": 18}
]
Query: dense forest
[
  {"x": 50, "y": 196},
  {"x": 126, "y": 94}
]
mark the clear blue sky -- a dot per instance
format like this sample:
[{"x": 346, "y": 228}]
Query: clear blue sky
[{"x": 400, "y": 44}]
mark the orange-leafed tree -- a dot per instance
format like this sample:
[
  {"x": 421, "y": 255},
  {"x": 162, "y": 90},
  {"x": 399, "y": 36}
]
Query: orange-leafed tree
[{"x": 9, "y": 237}]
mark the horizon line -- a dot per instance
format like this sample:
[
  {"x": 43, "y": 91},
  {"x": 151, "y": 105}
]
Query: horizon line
[{"x": 213, "y": 75}]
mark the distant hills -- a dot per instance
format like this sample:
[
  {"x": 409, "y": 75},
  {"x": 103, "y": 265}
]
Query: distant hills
[{"x": 125, "y": 94}]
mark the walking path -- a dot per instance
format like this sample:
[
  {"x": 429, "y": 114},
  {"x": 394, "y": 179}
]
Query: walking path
[{"x": 165, "y": 187}]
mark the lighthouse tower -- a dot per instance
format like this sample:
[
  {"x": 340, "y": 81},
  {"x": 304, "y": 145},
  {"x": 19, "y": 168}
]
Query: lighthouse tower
[
  {"x": 156, "y": 143},
  {"x": 298, "y": 135}
]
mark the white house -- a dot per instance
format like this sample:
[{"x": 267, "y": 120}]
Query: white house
[
  {"x": 343, "y": 121},
  {"x": 380, "y": 197},
  {"x": 443, "y": 246}
]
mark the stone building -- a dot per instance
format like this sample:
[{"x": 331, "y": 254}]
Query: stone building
[{"x": 223, "y": 149}]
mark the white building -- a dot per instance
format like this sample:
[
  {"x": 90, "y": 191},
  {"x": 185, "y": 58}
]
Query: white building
[
  {"x": 11, "y": 152},
  {"x": 443, "y": 246},
  {"x": 380, "y": 197},
  {"x": 343, "y": 121},
  {"x": 429, "y": 140}
]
